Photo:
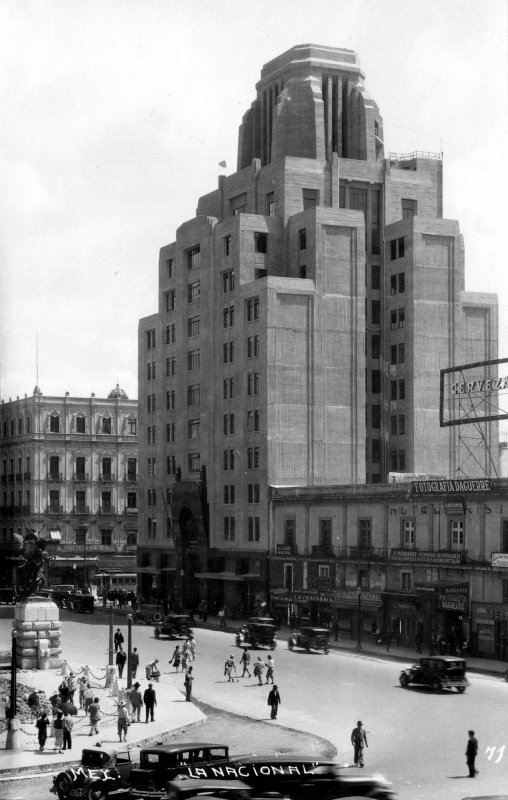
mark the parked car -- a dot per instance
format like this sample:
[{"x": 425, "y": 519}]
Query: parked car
[
  {"x": 8, "y": 595},
  {"x": 160, "y": 764},
  {"x": 60, "y": 594},
  {"x": 257, "y": 632},
  {"x": 297, "y": 777},
  {"x": 100, "y": 772},
  {"x": 213, "y": 787},
  {"x": 174, "y": 625},
  {"x": 436, "y": 672},
  {"x": 80, "y": 601},
  {"x": 310, "y": 638},
  {"x": 149, "y": 614}
]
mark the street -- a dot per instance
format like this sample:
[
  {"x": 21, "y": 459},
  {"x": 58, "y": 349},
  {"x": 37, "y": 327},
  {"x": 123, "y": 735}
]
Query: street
[{"x": 416, "y": 738}]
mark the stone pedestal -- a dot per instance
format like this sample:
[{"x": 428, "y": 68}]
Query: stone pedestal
[{"x": 38, "y": 634}]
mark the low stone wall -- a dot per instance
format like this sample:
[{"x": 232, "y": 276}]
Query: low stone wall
[{"x": 38, "y": 634}]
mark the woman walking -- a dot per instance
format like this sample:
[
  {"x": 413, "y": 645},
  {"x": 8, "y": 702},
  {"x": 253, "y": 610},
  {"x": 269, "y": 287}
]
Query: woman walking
[
  {"x": 58, "y": 726},
  {"x": 175, "y": 659},
  {"x": 42, "y": 730}
]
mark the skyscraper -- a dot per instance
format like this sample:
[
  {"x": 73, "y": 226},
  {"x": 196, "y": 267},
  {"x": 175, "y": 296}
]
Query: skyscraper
[{"x": 303, "y": 317}]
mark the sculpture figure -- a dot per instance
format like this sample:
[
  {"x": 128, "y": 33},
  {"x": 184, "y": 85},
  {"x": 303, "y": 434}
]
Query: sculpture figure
[{"x": 31, "y": 555}]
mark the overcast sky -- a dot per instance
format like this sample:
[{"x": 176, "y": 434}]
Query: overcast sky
[{"x": 116, "y": 113}]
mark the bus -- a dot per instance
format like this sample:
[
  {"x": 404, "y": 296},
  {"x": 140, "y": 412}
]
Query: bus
[{"x": 114, "y": 581}]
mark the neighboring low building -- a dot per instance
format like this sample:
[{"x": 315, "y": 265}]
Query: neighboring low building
[
  {"x": 428, "y": 556},
  {"x": 71, "y": 464}
]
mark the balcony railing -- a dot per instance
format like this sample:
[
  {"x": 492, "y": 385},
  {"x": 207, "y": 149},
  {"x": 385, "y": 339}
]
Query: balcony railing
[
  {"x": 18, "y": 476},
  {"x": 80, "y": 476},
  {"x": 11, "y": 478},
  {"x": 27, "y": 476},
  {"x": 107, "y": 510},
  {"x": 54, "y": 476},
  {"x": 130, "y": 510},
  {"x": 54, "y": 510},
  {"x": 106, "y": 477},
  {"x": 323, "y": 551},
  {"x": 364, "y": 553},
  {"x": 128, "y": 478},
  {"x": 81, "y": 510}
]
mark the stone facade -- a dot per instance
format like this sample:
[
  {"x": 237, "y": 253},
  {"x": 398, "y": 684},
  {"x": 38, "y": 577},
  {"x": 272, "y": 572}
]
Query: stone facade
[{"x": 38, "y": 634}]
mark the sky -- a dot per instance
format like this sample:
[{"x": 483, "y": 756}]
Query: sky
[{"x": 116, "y": 114}]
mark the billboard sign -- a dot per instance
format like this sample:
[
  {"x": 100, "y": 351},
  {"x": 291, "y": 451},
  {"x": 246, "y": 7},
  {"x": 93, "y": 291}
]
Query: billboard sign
[{"x": 472, "y": 393}]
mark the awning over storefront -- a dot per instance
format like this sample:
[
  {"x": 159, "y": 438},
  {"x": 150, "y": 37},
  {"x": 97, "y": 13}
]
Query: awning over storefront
[
  {"x": 65, "y": 561},
  {"x": 227, "y": 576}
]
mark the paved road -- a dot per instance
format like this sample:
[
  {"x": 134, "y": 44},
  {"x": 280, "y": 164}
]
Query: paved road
[{"x": 416, "y": 738}]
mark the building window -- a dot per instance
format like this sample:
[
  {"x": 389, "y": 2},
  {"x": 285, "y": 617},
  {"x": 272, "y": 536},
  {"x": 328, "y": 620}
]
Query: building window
[
  {"x": 171, "y": 465},
  {"x": 375, "y": 277},
  {"x": 194, "y": 462},
  {"x": 81, "y": 536},
  {"x": 393, "y": 320},
  {"x": 402, "y": 317},
  {"x": 402, "y": 460},
  {"x": 228, "y": 355},
  {"x": 376, "y": 312},
  {"x": 393, "y": 390},
  {"x": 106, "y": 424},
  {"x": 393, "y": 354},
  {"x": 54, "y": 423},
  {"x": 170, "y": 298},
  {"x": 393, "y": 461},
  {"x": 228, "y": 317},
  {"x": 132, "y": 425},
  {"x": 81, "y": 501},
  {"x": 310, "y": 198},
  {"x": 325, "y": 534},
  {"x": 193, "y": 360},
  {"x": 393, "y": 284},
  {"x": 193, "y": 394},
  {"x": 253, "y": 421},
  {"x": 80, "y": 425},
  {"x": 302, "y": 239},
  {"x": 193, "y": 429},
  {"x": 229, "y": 529},
  {"x": 505, "y": 590},
  {"x": 170, "y": 366},
  {"x": 253, "y": 493},
  {"x": 238, "y": 204},
  {"x": 409, "y": 208},
  {"x": 252, "y": 383},
  {"x": 169, "y": 268},
  {"x": 253, "y": 346},
  {"x": 54, "y": 468},
  {"x": 402, "y": 353},
  {"x": 402, "y": 389},
  {"x": 170, "y": 400},
  {"x": 376, "y": 451},
  {"x": 408, "y": 534},
  {"x": 402, "y": 282},
  {"x": 228, "y": 423},
  {"x": 228, "y": 281},
  {"x": 393, "y": 425},
  {"x": 193, "y": 326},
  {"x": 269, "y": 204},
  {"x": 193, "y": 291},
  {"x": 253, "y": 529},
  {"x": 229, "y": 494},
  {"x": 504, "y": 536},
  {"x": 253, "y": 458},
  {"x": 54, "y": 501},
  {"x": 150, "y": 339},
  {"x": 170, "y": 432},
  {"x": 227, "y": 245},
  {"x": 376, "y": 416},
  {"x": 260, "y": 242},
  {"x": 252, "y": 309},
  {"x": 170, "y": 333},
  {"x": 456, "y": 534},
  {"x": 132, "y": 465},
  {"x": 302, "y": 271},
  {"x": 229, "y": 460},
  {"x": 228, "y": 388},
  {"x": 405, "y": 581},
  {"x": 290, "y": 532},
  {"x": 323, "y": 570},
  {"x": 375, "y": 381},
  {"x": 132, "y": 539},
  {"x": 193, "y": 257},
  {"x": 402, "y": 425},
  {"x": 364, "y": 534},
  {"x": 150, "y": 404},
  {"x": 375, "y": 344}
]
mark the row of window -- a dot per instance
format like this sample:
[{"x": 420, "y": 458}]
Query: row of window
[
  {"x": 106, "y": 422},
  {"x": 253, "y": 529},
  {"x": 24, "y": 426},
  {"x": 54, "y": 468},
  {"x": 253, "y": 493},
  {"x": 80, "y": 504},
  {"x": 194, "y": 462}
]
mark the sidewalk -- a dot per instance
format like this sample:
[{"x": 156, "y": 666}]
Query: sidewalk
[{"x": 172, "y": 715}]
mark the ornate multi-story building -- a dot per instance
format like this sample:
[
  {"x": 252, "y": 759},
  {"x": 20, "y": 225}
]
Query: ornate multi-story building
[
  {"x": 303, "y": 317},
  {"x": 70, "y": 464}
]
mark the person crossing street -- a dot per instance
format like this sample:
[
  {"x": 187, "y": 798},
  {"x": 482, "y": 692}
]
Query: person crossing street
[
  {"x": 359, "y": 741},
  {"x": 245, "y": 661}
]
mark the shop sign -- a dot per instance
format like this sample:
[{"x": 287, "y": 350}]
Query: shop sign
[
  {"x": 112, "y": 562},
  {"x": 352, "y": 596},
  {"x": 499, "y": 559},
  {"x": 332, "y": 596},
  {"x": 446, "y": 557},
  {"x": 284, "y": 550},
  {"x": 463, "y": 486},
  {"x": 454, "y": 597}
]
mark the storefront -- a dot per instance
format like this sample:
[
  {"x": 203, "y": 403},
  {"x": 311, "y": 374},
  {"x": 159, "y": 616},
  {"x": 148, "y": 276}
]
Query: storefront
[
  {"x": 349, "y": 606},
  {"x": 490, "y": 629}
]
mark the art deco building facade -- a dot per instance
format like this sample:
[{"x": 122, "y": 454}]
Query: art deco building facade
[
  {"x": 70, "y": 464},
  {"x": 303, "y": 316}
]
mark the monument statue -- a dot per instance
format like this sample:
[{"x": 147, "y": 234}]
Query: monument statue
[{"x": 31, "y": 555}]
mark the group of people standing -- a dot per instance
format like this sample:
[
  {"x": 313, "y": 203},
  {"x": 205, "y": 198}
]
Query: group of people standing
[
  {"x": 62, "y": 712},
  {"x": 181, "y": 659}
]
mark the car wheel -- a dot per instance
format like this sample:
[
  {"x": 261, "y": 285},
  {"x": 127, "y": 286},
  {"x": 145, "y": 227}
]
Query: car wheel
[
  {"x": 96, "y": 792},
  {"x": 254, "y": 644},
  {"x": 403, "y": 680},
  {"x": 184, "y": 630},
  {"x": 290, "y": 644},
  {"x": 435, "y": 685},
  {"x": 157, "y": 633},
  {"x": 63, "y": 786},
  {"x": 272, "y": 646},
  {"x": 157, "y": 617},
  {"x": 461, "y": 689}
]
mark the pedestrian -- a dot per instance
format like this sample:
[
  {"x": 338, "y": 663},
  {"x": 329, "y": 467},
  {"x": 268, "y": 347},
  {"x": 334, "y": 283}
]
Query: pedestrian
[
  {"x": 33, "y": 703},
  {"x": 189, "y": 677},
  {"x": 42, "y": 730},
  {"x": 175, "y": 658},
  {"x": 137, "y": 702},
  {"x": 185, "y": 659},
  {"x": 89, "y": 694},
  {"x": 229, "y": 668},
  {"x": 274, "y": 701},
  {"x": 67, "y": 731},
  {"x": 71, "y": 685},
  {"x": 359, "y": 741},
  {"x": 63, "y": 691},
  {"x": 152, "y": 670},
  {"x": 245, "y": 661},
  {"x": 222, "y": 617},
  {"x": 150, "y": 701},
  {"x": 118, "y": 639},
  {"x": 388, "y": 640},
  {"x": 471, "y": 753},
  {"x": 134, "y": 662},
  {"x": 81, "y": 690},
  {"x": 58, "y": 726},
  {"x": 192, "y": 648},
  {"x": 419, "y": 641},
  {"x": 335, "y": 628},
  {"x": 122, "y": 720},
  {"x": 258, "y": 670},
  {"x": 121, "y": 658},
  {"x": 270, "y": 666},
  {"x": 95, "y": 715}
]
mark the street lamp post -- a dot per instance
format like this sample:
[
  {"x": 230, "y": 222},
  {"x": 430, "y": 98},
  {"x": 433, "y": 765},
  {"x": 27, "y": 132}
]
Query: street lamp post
[
  {"x": 359, "y": 637},
  {"x": 74, "y": 575},
  {"x": 129, "y": 651},
  {"x": 12, "y": 741}
]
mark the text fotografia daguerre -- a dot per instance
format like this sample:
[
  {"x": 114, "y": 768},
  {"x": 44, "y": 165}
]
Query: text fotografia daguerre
[{"x": 242, "y": 771}]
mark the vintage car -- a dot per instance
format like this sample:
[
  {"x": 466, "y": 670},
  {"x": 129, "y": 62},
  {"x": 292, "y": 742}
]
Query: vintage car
[
  {"x": 310, "y": 638},
  {"x": 149, "y": 614},
  {"x": 188, "y": 788},
  {"x": 436, "y": 672},
  {"x": 8, "y": 595},
  {"x": 160, "y": 764},
  {"x": 100, "y": 772},
  {"x": 80, "y": 601},
  {"x": 173, "y": 625},
  {"x": 296, "y": 777},
  {"x": 257, "y": 632}
]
